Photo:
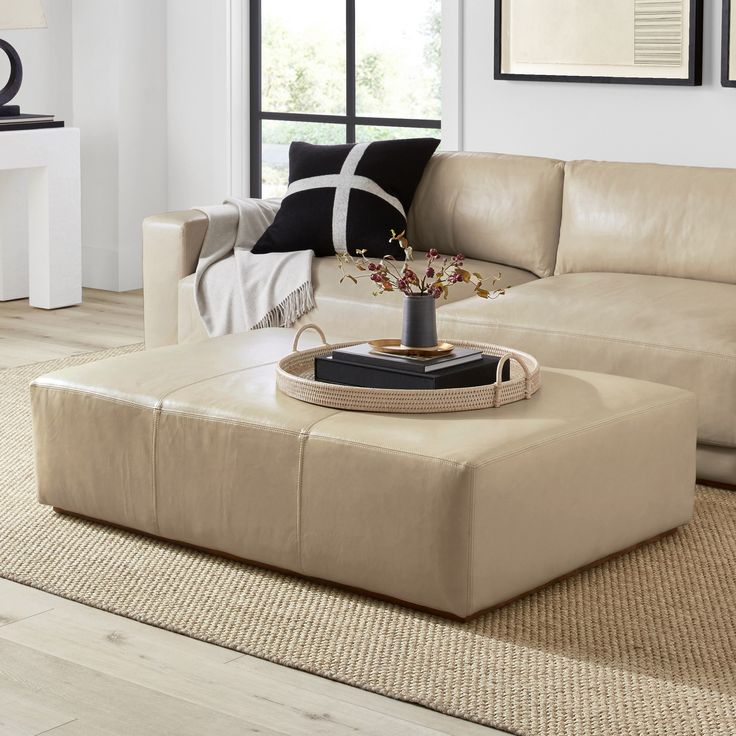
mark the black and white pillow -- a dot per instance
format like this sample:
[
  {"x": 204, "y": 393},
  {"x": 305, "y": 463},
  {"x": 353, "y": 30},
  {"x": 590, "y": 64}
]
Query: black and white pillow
[{"x": 349, "y": 197}]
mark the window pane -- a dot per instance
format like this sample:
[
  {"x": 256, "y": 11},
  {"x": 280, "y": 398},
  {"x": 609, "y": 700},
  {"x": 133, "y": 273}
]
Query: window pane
[
  {"x": 277, "y": 135},
  {"x": 365, "y": 133},
  {"x": 303, "y": 56},
  {"x": 398, "y": 47}
]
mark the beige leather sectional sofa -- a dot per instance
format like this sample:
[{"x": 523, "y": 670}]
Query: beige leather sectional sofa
[{"x": 617, "y": 268}]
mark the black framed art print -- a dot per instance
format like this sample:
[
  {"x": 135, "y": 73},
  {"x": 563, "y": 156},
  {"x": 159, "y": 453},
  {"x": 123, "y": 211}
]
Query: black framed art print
[
  {"x": 728, "y": 74},
  {"x": 615, "y": 41}
]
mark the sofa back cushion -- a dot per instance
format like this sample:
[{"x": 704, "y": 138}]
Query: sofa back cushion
[
  {"x": 649, "y": 219},
  {"x": 492, "y": 207}
]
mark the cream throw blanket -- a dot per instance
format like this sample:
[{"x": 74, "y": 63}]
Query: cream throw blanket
[{"x": 236, "y": 290}]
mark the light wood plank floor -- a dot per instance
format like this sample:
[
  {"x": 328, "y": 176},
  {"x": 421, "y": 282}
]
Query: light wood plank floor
[
  {"x": 105, "y": 319},
  {"x": 70, "y": 670}
]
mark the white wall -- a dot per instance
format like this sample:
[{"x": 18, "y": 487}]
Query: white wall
[
  {"x": 142, "y": 131},
  {"x": 95, "y": 103},
  {"x": 119, "y": 103},
  {"x": 198, "y": 102},
  {"x": 693, "y": 126}
]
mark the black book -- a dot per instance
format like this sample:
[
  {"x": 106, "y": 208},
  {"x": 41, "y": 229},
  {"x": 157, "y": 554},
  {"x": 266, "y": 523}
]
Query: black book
[
  {"x": 477, "y": 373},
  {"x": 364, "y": 354},
  {"x": 33, "y": 126}
]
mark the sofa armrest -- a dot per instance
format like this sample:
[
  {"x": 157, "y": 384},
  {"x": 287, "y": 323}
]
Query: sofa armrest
[{"x": 171, "y": 246}]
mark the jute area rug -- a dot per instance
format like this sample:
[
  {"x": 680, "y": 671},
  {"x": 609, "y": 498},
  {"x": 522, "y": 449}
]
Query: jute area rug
[{"x": 643, "y": 645}]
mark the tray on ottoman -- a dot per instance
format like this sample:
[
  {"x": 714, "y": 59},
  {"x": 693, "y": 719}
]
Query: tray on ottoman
[
  {"x": 295, "y": 377},
  {"x": 455, "y": 513}
]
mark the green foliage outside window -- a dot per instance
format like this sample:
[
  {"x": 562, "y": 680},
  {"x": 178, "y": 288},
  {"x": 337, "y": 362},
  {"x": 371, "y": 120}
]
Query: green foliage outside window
[{"x": 304, "y": 68}]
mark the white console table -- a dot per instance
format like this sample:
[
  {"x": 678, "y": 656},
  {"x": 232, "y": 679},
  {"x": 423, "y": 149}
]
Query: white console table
[{"x": 49, "y": 270}]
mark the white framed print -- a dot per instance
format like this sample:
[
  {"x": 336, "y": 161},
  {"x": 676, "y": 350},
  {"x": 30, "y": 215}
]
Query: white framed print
[{"x": 615, "y": 41}]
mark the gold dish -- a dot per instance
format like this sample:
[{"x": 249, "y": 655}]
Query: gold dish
[{"x": 394, "y": 347}]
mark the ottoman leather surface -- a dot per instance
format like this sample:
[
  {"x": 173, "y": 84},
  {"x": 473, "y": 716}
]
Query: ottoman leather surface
[{"x": 452, "y": 512}]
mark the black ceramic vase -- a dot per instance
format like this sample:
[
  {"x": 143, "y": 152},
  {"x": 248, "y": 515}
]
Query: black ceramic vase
[{"x": 420, "y": 321}]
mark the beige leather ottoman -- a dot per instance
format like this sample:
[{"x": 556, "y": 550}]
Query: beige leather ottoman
[{"x": 455, "y": 513}]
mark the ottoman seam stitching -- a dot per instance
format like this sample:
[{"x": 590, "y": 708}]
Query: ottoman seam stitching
[
  {"x": 96, "y": 394},
  {"x": 469, "y": 556},
  {"x": 390, "y": 451},
  {"x": 159, "y": 402},
  {"x": 300, "y": 471},
  {"x": 154, "y": 438},
  {"x": 227, "y": 420},
  {"x": 157, "y": 407},
  {"x": 304, "y": 435},
  {"x": 574, "y": 433}
]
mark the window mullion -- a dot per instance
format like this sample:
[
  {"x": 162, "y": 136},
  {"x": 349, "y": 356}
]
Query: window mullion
[
  {"x": 350, "y": 69},
  {"x": 256, "y": 122}
]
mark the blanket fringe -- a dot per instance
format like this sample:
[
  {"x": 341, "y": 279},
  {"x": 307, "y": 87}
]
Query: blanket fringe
[{"x": 294, "y": 306}]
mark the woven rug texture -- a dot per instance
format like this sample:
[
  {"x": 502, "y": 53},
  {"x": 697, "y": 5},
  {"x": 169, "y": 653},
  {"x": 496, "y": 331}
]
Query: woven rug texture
[{"x": 644, "y": 645}]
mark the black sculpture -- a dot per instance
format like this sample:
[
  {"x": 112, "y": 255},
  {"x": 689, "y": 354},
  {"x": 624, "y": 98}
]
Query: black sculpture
[{"x": 10, "y": 90}]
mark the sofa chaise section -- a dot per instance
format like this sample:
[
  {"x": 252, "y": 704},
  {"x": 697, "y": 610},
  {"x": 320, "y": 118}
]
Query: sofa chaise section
[
  {"x": 645, "y": 287},
  {"x": 675, "y": 331}
]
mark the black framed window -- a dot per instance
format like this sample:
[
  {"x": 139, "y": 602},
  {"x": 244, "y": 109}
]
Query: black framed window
[{"x": 339, "y": 71}]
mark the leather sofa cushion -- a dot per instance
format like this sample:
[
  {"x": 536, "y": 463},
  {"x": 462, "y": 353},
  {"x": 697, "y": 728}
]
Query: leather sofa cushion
[
  {"x": 675, "y": 331},
  {"x": 503, "y": 209},
  {"x": 348, "y": 308},
  {"x": 649, "y": 219}
]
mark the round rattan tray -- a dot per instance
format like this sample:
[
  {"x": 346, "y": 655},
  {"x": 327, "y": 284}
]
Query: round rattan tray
[{"x": 295, "y": 377}]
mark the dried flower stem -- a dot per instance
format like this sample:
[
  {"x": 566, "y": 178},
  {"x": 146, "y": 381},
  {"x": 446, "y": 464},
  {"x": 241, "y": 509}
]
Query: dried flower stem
[{"x": 440, "y": 273}]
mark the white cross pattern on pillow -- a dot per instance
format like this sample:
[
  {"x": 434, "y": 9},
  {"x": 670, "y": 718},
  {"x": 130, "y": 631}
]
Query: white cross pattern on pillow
[{"x": 344, "y": 182}]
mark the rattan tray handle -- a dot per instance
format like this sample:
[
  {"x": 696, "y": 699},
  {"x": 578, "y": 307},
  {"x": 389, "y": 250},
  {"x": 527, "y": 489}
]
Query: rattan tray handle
[
  {"x": 318, "y": 330},
  {"x": 505, "y": 358}
]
